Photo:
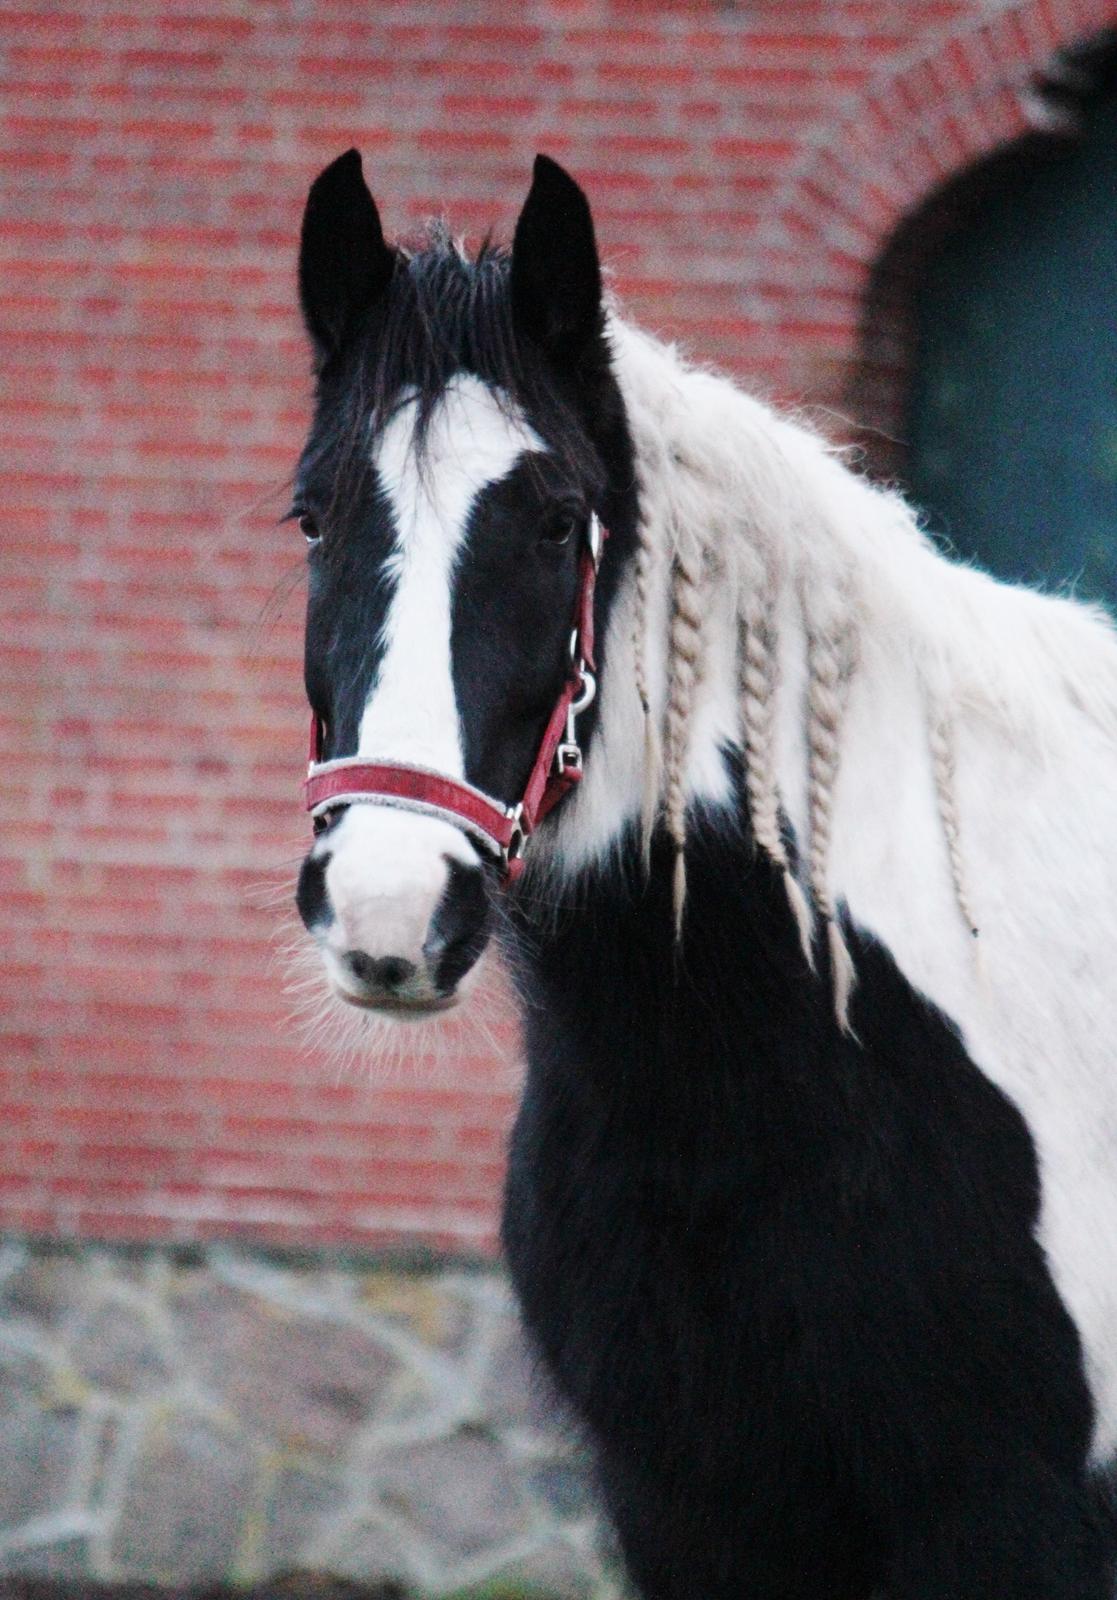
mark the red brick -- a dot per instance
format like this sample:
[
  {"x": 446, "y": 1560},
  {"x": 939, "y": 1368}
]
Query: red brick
[{"x": 156, "y": 388}]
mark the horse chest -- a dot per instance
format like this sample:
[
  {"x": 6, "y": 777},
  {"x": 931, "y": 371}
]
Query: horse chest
[
  {"x": 653, "y": 1305},
  {"x": 731, "y": 1227}
]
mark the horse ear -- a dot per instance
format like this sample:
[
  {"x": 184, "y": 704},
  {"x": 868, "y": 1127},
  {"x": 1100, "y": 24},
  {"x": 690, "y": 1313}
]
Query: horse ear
[
  {"x": 556, "y": 275},
  {"x": 344, "y": 263}
]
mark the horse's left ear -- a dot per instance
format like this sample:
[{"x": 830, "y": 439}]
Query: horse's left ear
[{"x": 556, "y": 276}]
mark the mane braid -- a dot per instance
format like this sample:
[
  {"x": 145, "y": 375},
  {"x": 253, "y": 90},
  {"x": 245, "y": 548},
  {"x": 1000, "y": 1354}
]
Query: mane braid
[
  {"x": 687, "y": 645},
  {"x": 653, "y": 750},
  {"x": 830, "y": 668},
  {"x": 757, "y": 672},
  {"x": 943, "y": 760}
]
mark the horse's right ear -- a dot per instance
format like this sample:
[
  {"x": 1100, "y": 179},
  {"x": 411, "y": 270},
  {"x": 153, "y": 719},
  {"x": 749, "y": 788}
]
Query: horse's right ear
[{"x": 344, "y": 263}]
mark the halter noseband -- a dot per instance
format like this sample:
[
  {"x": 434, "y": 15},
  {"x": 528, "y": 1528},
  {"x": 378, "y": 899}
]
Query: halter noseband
[{"x": 501, "y": 830}]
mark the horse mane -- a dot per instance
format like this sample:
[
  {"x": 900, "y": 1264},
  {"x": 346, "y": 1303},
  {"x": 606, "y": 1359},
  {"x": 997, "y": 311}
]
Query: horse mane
[{"x": 734, "y": 494}]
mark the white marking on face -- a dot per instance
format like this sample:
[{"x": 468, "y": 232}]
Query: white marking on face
[
  {"x": 388, "y": 869},
  {"x": 412, "y": 713}
]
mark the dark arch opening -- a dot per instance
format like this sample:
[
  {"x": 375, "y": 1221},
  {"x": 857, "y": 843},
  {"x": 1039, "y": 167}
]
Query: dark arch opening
[{"x": 988, "y": 374}]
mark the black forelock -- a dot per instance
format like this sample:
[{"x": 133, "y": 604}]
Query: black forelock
[{"x": 445, "y": 313}]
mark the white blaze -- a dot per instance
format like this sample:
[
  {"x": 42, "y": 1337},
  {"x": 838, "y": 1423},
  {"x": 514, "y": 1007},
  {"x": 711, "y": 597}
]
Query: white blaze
[
  {"x": 388, "y": 868},
  {"x": 412, "y": 713}
]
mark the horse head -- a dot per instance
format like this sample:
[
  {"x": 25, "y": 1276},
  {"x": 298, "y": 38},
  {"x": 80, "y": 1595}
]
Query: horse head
[{"x": 468, "y": 439}]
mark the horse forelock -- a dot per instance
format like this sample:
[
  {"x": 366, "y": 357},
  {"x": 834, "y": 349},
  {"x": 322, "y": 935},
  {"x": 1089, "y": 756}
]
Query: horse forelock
[{"x": 446, "y": 314}]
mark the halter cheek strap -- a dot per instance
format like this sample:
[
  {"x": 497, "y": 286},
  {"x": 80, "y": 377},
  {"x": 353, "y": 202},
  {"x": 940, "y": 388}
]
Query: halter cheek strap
[{"x": 501, "y": 830}]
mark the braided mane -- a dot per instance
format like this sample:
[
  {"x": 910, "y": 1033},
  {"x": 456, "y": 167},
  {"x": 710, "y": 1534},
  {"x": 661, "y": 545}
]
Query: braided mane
[{"x": 735, "y": 496}]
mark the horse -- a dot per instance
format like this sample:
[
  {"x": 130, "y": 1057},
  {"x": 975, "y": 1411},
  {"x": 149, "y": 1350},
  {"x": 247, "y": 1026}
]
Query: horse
[{"x": 798, "y": 836}]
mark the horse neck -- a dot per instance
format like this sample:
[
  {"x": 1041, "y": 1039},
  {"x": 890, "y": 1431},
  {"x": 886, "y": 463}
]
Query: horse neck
[{"x": 784, "y": 608}]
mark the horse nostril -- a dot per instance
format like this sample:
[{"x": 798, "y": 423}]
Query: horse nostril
[
  {"x": 360, "y": 965},
  {"x": 392, "y": 972},
  {"x": 389, "y": 972}
]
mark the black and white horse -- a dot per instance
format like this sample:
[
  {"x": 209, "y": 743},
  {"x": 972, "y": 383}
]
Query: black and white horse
[{"x": 812, "y": 1201}]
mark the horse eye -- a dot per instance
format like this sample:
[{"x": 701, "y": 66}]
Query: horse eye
[
  {"x": 559, "y": 533},
  {"x": 309, "y": 528}
]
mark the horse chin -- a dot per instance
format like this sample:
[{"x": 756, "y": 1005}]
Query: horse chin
[{"x": 396, "y": 1006}]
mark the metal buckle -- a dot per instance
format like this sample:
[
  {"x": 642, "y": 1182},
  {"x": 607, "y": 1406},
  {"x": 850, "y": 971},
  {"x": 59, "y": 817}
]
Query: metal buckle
[
  {"x": 568, "y": 755},
  {"x": 514, "y": 849},
  {"x": 584, "y": 699},
  {"x": 568, "y": 760}
]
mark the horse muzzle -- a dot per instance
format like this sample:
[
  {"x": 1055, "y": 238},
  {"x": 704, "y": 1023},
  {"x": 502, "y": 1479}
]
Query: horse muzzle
[{"x": 399, "y": 907}]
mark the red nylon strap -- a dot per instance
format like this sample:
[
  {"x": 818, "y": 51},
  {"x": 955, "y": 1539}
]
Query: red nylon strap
[
  {"x": 494, "y": 825},
  {"x": 546, "y": 787},
  {"x": 336, "y": 782},
  {"x": 584, "y": 615}
]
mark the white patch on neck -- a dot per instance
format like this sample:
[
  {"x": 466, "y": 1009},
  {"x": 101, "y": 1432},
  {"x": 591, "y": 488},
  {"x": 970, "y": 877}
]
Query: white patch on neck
[
  {"x": 474, "y": 439},
  {"x": 1030, "y": 686}
]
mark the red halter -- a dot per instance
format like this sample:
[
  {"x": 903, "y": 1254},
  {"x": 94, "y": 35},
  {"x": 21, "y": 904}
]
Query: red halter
[{"x": 501, "y": 830}]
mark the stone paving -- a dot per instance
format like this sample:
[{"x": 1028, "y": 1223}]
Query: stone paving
[{"x": 179, "y": 1419}]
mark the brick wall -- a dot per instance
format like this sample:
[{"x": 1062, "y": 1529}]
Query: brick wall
[{"x": 747, "y": 163}]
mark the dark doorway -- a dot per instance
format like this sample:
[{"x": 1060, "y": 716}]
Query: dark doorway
[
  {"x": 1013, "y": 422},
  {"x": 992, "y": 321}
]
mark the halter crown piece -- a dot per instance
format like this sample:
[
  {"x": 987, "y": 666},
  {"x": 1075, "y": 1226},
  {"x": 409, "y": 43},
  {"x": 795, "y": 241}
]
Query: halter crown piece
[{"x": 502, "y": 831}]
